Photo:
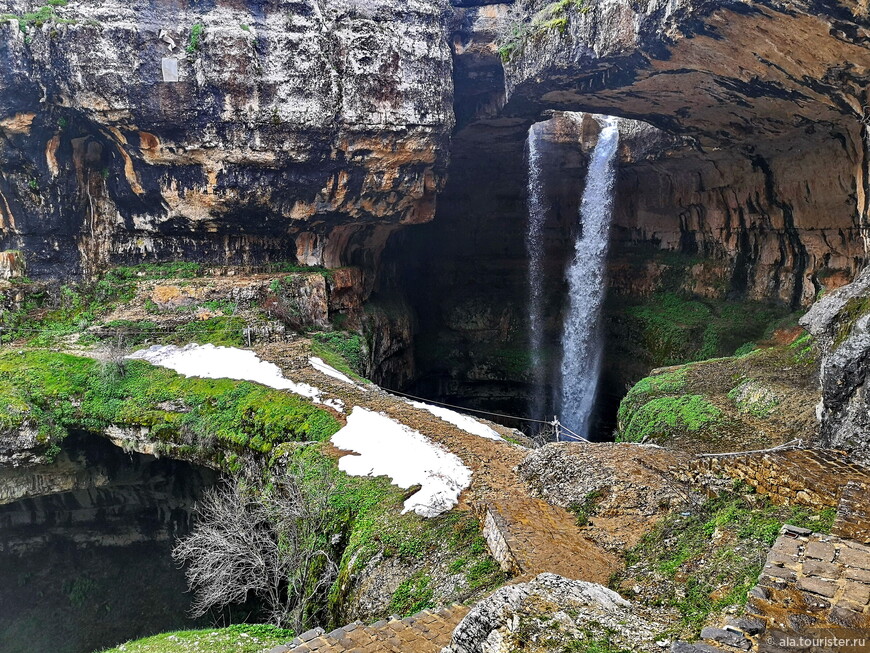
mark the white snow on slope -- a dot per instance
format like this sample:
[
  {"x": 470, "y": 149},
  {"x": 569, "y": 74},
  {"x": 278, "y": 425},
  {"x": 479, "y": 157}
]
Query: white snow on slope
[
  {"x": 320, "y": 366},
  {"x": 464, "y": 422},
  {"x": 388, "y": 448},
  {"x": 210, "y": 362}
]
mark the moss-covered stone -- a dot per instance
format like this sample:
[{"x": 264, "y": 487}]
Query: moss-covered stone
[
  {"x": 756, "y": 400},
  {"x": 669, "y": 416}
]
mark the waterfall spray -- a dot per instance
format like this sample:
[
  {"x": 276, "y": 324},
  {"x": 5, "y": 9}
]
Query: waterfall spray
[
  {"x": 581, "y": 344},
  {"x": 537, "y": 208}
]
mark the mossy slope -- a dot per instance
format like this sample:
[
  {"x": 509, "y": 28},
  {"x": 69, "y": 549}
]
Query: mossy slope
[{"x": 757, "y": 400}]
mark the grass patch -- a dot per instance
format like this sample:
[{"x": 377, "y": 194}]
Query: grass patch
[
  {"x": 412, "y": 596},
  {"x": 368, "y": 512},
  {"x": 665, "y": 416},
  {"x": 342, "y": 350},
  {"x": 240, "y": 638},
  {"x": 586, "y": 508},
  {"x": 59, "y": 392},
  {"x": 707, "y": 558}
]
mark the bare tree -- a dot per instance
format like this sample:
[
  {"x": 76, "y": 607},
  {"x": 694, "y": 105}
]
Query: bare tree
[{"x": 266, "y": 540}]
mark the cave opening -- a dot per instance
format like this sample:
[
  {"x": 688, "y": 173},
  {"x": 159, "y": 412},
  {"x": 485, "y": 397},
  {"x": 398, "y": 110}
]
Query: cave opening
[{"x": 85, "y": 547}]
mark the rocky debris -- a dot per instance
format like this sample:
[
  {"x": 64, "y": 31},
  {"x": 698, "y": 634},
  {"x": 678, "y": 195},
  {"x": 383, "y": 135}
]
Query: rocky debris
[
  {"x": 617, "y": 487},
  {"x": 547, "y": 613},
  {"x": 840, "y": 322},
  {"x": 686, "y": 647}
]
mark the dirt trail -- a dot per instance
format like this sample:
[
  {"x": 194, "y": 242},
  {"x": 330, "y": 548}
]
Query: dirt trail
[{"x": 541, "y": 537}]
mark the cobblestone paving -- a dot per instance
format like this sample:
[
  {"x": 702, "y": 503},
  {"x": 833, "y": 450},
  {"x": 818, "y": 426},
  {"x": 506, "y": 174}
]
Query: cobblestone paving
[
  {"x": 814, "y": 580},
  {"x": 813, "y": 596}
]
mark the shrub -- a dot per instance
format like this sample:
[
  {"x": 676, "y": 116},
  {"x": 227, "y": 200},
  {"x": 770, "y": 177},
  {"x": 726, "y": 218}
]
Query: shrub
[{"x": 195, "y": 38}]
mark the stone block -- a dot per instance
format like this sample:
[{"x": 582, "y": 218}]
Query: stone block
[
  {"x": 727, "y": 637},
  {"x": 844, "y": 616},
  {"x": 854, "y": 558},
  {"x": 817, "y": 586},
  {"x": 860, "y": 575},
  {"x": 822, "y": 569},
  {"x": 857, "y": 593},
  {"x": 779, "y": 572},
  {"x": 820, "y": 551},
  {"x": 748, "y": 625}
]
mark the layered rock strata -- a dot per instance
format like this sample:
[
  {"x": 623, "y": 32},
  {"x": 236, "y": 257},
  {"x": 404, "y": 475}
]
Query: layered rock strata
[{"x": 235, "y": 132}]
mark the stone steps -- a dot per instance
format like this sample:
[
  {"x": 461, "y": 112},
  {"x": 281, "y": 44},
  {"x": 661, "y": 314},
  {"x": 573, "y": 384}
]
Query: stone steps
[
  {"x": 425, "y": 632},
  {"x": 529, "y": 536}
]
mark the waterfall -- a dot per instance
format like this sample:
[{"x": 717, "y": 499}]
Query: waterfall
[
  {"x": 537, "y": 208},
  {"x": 581, "y": 345}
]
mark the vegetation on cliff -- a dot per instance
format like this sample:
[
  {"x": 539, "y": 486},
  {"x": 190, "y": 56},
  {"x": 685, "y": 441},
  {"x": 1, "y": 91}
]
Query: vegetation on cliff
[
  {"x": 704, "y": 559},
  {"x": 755, "y": 400}
]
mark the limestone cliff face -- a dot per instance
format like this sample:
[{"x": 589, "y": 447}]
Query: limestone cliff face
[
  {"x": 840, "y": 322},
  {"x": 233, "y": 131},
  {"x": 762, "y": 189},
  {"x": 772, "y": 100}
]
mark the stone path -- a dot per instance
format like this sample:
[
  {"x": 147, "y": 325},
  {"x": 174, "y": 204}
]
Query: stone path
[
  {"x": 526, "y": 534},
  {"x": 813, "y": 586},
  {"x": 532, "y": 536},
  {"x": 426, "y": 632}
]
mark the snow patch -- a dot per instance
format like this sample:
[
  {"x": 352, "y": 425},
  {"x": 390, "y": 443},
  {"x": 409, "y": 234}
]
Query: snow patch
[
  {"x": 319, "y": 365},
  {"x": 389, "y": 448},
  {"x": 464, "y": 422},
  {"x": 210, "y": 362}
]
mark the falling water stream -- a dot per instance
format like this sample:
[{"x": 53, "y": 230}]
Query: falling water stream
[
  {"x": 537, "y": 207},
  {"x": 581, "y": 344}
]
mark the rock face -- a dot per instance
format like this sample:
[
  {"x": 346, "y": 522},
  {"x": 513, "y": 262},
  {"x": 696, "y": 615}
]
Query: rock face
[
  {"x": 763, "y": 194},
  {"x": 840, "y": 322},
  {"x": 548, "y": 613},
  {"x": 235, "y": 131},
  {"x": 778, "y": 163}
]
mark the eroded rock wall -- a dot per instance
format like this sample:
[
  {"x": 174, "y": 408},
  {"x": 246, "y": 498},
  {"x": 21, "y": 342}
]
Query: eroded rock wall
[{"x": 228, "y": 131}]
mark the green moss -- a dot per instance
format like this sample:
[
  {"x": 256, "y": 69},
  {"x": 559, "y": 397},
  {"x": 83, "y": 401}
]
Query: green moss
[
  {"x": 240, "y": 638},
  {"x": 63, "y": 392},
  {"x": 711, "y": 555},
  {"x": 666, "y": 415},
  {"x": 552, "y": 17},
  {"x": 673, "y": 328},
  {"x": 852, "y": 311},
  {"x": 668, "y": 382}
]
